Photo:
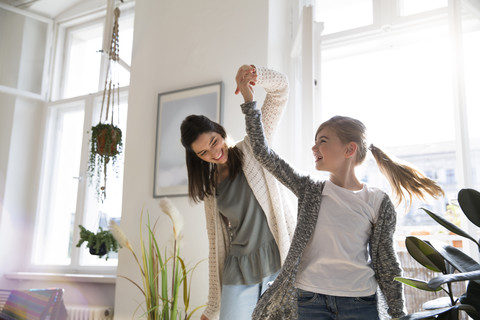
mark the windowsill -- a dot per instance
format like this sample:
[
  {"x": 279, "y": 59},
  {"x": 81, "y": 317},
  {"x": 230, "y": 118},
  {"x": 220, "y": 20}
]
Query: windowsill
[{"x": 67, "y": 277}]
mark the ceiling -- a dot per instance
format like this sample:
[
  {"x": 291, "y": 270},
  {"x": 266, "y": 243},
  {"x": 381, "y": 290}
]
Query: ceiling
[{"x": 46, "y": 8}]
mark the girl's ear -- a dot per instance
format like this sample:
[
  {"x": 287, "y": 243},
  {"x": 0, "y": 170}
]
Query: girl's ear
[{"x": 351, "y": 149}]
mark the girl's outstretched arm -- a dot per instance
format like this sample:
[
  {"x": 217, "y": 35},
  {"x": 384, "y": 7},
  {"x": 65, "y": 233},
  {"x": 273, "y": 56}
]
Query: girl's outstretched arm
[
  {"x": 265, "y": 155},
  {"x": 276, "y": 86},
  {"x": 258, "y": 126}
]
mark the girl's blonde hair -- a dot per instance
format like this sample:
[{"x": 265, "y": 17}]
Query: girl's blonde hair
[{"x": 403, "y": 177}]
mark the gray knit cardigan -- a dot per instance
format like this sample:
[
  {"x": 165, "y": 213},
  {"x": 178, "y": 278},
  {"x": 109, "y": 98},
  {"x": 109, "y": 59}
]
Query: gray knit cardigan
[{"x": 279, "y": 301}]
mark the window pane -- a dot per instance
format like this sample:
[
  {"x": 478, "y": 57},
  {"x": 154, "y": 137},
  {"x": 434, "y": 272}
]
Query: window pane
[
  {"x": 404, "y": 82},
  {"x": 125, "y": 36},
  {"x": 340, "y": 15},
  {"x": 472, "y": 81},
  {"x": 55, "y": 225},
  {"x": 409, "y": 7},
  {"x": 98, "y": 214},
  {"x": 82, "y": 66}
]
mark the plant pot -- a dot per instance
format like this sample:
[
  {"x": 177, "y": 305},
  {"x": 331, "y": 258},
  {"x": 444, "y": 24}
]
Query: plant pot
[
  {"x": 111, "y": 136},
  {"x": 102, "y": 251}
]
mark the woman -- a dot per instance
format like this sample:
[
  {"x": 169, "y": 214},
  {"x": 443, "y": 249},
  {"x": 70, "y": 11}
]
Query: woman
[{"x": 249, "y": 222}]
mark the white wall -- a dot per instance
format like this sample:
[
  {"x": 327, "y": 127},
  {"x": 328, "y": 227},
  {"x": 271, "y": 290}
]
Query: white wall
[
  {"x": 179, "y": 44},
  {"x": 20, "y": 120},
  {"x": 18, "y": 207},
  {"x": 6, "y": 120}
]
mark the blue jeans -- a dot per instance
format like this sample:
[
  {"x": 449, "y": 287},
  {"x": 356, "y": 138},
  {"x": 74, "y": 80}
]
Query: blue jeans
[
  {"x": 238, "y": 301},
  {"x": 323, "y": 307}
]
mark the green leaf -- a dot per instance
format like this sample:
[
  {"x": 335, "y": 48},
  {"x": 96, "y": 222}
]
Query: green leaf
[
  {"x": 451, "y": 315},
  {"x": 429, "y": 314},
  {"x": 416, "y": 283},
  {"x": 194, "y": 310},
  {"x": 436, "y": 282},
  {"x": 450, "y": 226},
  {"x": 472, "y": 297},
  {"x": 425, "y": 254},
  {"x": 469, "y": 201},
  {"x": 472, "y": 311},
  {"x": 443, "y": 302},
  {"x": 456, "y": 258},
  {"x": 442, "y": 313}
]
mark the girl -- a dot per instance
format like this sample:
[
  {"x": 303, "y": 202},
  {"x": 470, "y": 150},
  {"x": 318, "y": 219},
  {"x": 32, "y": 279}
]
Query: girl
[
  {"x": 249, "y": 222},
  {"x": 342, "y": 248}
]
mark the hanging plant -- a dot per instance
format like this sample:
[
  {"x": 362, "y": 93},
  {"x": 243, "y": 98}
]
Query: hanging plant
[
  {"x": 106, "y": 138},
  {"x": 105, "y": 148},
  {"x": 100, "y": 243}
]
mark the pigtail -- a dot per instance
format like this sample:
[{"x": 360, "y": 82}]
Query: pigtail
[{"x": 403, "y": 178}]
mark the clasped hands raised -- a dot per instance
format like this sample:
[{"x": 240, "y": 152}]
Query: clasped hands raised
[{"x": 246, "y": 78}]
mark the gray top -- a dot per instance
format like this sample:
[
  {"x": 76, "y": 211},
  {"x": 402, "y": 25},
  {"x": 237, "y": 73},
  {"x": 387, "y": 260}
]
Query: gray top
[
  {"x": 253, "y": 251},
  {"x": 279, "y": 301}
]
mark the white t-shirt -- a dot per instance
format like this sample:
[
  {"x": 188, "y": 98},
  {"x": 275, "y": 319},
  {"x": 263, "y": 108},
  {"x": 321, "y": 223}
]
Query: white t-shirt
[{"x": 336, "y": 261}]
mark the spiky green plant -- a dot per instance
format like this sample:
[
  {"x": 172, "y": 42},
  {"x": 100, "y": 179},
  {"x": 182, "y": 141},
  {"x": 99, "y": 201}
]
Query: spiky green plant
[{"x": 162, "y": 300}]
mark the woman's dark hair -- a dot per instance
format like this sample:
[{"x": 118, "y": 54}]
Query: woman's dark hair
[{"x": 202, "y": 174}]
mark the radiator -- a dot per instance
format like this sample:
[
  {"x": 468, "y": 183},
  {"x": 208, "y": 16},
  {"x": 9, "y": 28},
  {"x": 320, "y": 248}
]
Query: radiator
[{"x": 89, "y": 312}]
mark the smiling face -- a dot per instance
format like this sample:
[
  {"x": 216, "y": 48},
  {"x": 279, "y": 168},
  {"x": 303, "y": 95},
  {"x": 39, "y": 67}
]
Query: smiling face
[
  {"x": 211, "y": 147},
  {"x": 329, "y": 151}
]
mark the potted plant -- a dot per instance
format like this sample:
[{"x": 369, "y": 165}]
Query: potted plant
[
  {"x": 105, "y": 148},
  {"x": 100, "y": 243},
  {"x": 453, "y": 264},
  {"x": 164, "y": 276},
  {"x": 106, "y": 138}
]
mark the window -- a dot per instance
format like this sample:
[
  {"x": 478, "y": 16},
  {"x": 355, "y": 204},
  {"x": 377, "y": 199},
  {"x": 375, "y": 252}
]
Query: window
[
  {"x": 64, "y": 162},
  {"x": 83, "y": 59},
  {"x": 344, "y": 14},
  {"x": 450, "y": 177},
  {"x": 409, "y": 7},
  {"x": 67, "y": 196},
  {"x": 396, "y": 76},
  {"x": 82, "y": 68}
]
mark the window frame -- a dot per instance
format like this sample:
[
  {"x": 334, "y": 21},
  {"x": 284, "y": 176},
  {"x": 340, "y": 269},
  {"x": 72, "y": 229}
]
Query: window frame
[{"x": 63, "y": 28}]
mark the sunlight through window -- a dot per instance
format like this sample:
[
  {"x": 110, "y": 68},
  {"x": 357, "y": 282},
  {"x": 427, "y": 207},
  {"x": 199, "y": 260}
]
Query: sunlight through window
[
  {"x": 340, "y": 15},
  {"x": 409, "y": 7}
]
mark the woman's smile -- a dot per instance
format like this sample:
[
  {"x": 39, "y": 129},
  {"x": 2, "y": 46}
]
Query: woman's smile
[
  {"x": 220, "y": 156},
  {"x": 211, "y": 147}
]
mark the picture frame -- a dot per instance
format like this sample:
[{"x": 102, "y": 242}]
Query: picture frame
[{"x": 170, "y": 174}]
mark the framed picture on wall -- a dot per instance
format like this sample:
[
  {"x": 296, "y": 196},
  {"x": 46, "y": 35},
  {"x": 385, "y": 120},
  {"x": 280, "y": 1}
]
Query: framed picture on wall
[{"x": 170, "y": 176}]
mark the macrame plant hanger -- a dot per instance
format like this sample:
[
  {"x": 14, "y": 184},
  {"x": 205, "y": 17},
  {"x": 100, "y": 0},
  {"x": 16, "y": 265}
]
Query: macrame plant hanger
[
  {"x": 106, "y": 139},
  {"x": 112, "y": 74}
]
